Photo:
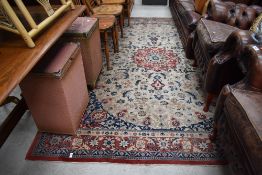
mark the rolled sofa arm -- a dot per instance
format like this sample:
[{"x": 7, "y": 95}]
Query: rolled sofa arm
[
  {"x": 224, "y": 67},
  {"x": 190, "y": 19},
  {"x": 253, "y": 56}
]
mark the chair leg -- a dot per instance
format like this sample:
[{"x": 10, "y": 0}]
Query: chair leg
[
  {"x": 107, "y": 51},
  {"x": 114, "y": 39},
  {"x": 121, "y": 25},
  {"x": 209, "y": 99},
  {"x": 128, "y": 15}
]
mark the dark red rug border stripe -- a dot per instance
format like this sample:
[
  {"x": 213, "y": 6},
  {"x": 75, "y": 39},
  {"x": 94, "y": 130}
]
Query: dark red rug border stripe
[
  {"x": 126, "y": 161},
  {"x": 45, "y": 158}
]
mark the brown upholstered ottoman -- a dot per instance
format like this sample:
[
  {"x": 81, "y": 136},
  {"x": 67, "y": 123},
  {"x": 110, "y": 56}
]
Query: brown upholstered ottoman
[
  {"x": 86, "y": 31},
  {"x": 55, "y": 91}
]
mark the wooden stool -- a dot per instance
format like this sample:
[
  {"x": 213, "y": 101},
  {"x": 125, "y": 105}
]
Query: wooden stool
[
  {"x": 116, "y": 10},
  {"x": 127, "y": 4},
  {"x": 107, "y": 23}
]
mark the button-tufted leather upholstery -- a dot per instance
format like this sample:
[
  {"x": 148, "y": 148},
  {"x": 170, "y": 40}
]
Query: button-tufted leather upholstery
[{"x": 238, "y": 15}]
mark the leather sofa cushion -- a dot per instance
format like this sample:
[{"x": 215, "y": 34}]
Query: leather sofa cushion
[
  {"x": 212, "y": 35},
  {"x": 244, "y": 115}
]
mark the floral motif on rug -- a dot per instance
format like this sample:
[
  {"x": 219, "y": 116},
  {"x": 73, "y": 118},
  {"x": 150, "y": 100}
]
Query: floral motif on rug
[{"x": 148, "y": 109}]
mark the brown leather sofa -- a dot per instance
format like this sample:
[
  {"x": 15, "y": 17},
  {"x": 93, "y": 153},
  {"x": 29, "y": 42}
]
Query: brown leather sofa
[
  {"x": 210, "y": 36},
  {"x": 186, "y": 18},
  {"x": 238, "y": 116}
]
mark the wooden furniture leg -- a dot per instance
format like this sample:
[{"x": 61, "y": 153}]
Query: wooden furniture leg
[
  {"x": 208, "y": 101},
  {"x": 121, "y": 24},
  {"x": 107, "y": 51},
  {"x": 128, "y": 16},
  {"x": 11, "y": 121},
  {"x": 116, "y": 37},
  {"x": 10, "y": 99}
]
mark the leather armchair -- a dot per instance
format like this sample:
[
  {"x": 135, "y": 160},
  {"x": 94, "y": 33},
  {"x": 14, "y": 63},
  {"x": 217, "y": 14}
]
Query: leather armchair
[
  {"x": 210, "y": 37},
  {"x": 238, "y": 122}
]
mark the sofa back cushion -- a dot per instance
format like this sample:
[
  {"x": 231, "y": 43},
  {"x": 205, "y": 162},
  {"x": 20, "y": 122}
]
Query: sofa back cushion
[{"x": 238, "y": 15}]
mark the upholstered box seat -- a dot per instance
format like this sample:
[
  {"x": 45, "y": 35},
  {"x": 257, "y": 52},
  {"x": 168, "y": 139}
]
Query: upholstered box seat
[
  {"x": 85, "y": 30},
  {"x": 55, "y": 91}
]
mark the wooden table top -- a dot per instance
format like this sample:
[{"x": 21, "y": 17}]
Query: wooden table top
[{"x": 16, "y": 59}]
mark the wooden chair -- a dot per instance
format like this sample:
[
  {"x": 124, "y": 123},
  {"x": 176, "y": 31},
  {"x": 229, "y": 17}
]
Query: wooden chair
[
  {"x": 107, "y": 23},
  {"x": 98, "y": 9},
  {"x": 128, "y": 6}
]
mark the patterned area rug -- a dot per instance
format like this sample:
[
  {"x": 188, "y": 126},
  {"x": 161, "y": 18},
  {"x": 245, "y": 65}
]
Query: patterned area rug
[{"x": 148, "y": 109}]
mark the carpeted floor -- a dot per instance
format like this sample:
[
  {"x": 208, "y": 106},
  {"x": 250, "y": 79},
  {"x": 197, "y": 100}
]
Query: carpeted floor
[{"x": 148, "y": 109}]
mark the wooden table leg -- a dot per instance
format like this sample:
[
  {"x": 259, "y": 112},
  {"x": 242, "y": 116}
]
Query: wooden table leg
[{"x": 11, "y": 121}]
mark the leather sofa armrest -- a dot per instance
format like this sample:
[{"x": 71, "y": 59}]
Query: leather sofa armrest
[
  {"x": 236, "y": 42},
  {"x": 253, "y": 56},
  {"x": 190, "y": 19}
]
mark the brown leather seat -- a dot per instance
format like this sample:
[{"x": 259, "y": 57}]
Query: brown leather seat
[{"x": 238, "y": 117}]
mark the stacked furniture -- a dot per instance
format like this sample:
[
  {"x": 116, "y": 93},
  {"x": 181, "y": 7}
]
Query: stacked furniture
[
  {"x": 49, "y": 87},
  {"x": 17, "y": 60}
]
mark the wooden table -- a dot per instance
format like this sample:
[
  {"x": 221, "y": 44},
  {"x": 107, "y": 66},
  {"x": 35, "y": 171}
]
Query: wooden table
[{"x": 16, "y": 60}]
